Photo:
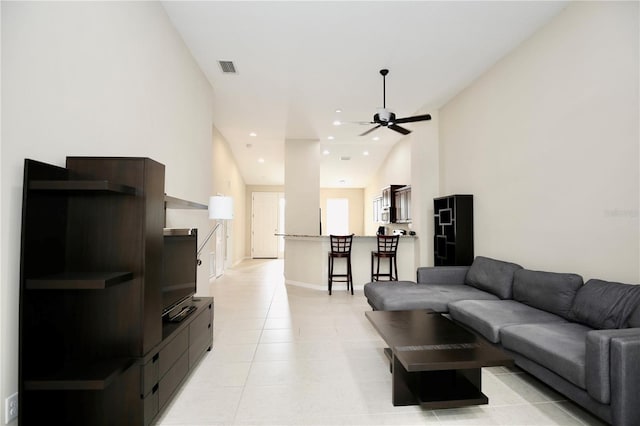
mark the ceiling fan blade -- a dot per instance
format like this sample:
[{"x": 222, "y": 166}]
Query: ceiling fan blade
[
  {"x": 414, "y": 118},
  {"x": 399, "y": 129},
  {"x": 370, "y": 130},
  {"x": 359, "y": 122}
]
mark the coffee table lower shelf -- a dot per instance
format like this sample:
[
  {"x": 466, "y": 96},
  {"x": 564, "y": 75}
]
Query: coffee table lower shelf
[{"x": 437, "y": 389}]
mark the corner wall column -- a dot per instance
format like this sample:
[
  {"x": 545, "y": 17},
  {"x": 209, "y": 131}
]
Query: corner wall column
[
  {"x": 302, "y": 208},
  {"x": 425, "y": 185}
]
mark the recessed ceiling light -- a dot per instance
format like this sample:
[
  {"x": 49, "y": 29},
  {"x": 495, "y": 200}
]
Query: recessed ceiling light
[
  {"x": 260, "y": 160},
  {"x": 337, "y": 122},
  {"x": 253, "y": 134},
  {"x": 338, "y": 110},
  {"x": 342, "y": 181},
  {"x": 330, "y": 138},
  {"x": 376, "y": 138},
  {"x": 365, "y": 153},
  {"x": 325, "y": 152}
]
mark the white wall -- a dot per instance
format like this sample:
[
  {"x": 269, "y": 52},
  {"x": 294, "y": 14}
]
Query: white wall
[
  {"x": 228, "y": 181},
  {"x": 547, "y": 142},
  {"x": 96, "y": 79}
]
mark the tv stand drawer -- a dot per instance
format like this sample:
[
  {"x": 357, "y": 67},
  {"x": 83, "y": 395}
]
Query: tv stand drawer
[
  {"x": 200, "y": 334},
  {"x": 169, "y": 383},
  {"x": 172, "y": 351}
]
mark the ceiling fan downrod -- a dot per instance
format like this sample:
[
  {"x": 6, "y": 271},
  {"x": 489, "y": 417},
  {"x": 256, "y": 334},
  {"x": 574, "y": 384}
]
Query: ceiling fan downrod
[{"x": 384, "y": 73}]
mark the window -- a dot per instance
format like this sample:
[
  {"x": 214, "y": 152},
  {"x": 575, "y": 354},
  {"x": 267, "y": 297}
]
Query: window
[{"x": 337, "y": 216}]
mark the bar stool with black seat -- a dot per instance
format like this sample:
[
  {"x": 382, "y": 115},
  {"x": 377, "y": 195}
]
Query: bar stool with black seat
[
  {"x": 387, "y": 249},
  {"x": 340, "y": 248}
]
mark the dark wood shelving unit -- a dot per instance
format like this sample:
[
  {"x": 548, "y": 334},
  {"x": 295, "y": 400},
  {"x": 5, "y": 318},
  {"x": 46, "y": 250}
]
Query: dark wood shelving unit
[
  {"x": 82, "y": 185},
  {"x": 78, "y": 281},
  {"x": 96, "y": 376},
  {"x": 93, "y": 346},
  {"x": 453, "y": 236},
  {"x": 177, "y": 203}
]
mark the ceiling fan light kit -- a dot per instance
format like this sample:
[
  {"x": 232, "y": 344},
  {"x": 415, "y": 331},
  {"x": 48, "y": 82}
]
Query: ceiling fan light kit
[{"x": 386, "y": 118}]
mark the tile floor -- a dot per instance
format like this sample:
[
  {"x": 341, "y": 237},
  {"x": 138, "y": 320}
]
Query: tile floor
[{"x": 285, "y": 355}]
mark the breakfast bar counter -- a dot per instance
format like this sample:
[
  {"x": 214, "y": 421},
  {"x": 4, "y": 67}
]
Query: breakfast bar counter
[{"x": 305, "y": 260}]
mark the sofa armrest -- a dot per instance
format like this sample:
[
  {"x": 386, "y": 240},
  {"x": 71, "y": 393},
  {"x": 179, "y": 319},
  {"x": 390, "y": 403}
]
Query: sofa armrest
[
  {"x": 598, "y": 360},
  {"x": 442, "y": 274},
  {"x": 625, "y": 379}
]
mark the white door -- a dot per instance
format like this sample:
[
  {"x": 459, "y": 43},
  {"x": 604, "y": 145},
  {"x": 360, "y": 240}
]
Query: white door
[{"x": 264, "y": 224}]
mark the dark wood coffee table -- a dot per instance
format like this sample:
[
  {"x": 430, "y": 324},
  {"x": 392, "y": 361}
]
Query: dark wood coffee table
[{"x": 434, "y": 362}]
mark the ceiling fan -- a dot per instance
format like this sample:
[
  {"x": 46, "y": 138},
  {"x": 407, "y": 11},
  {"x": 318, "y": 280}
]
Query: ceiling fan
[{"x": 386, "y": 118}]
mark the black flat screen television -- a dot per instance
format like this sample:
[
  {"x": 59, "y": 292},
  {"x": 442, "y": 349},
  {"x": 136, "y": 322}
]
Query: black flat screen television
[{"x": 179, "y": 267}]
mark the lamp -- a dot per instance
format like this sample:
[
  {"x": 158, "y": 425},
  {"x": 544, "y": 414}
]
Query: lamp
[{"x": 220, "y": 208}]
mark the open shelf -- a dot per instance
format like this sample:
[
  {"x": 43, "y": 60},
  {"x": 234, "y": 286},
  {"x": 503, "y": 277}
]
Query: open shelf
[
  {"x": 79, "y": 281},
  {"x": 82, "y": 185},
  {"x": 177, "y": 203},
  {"x": 92, "y": 261},
  {"x": 453, "y": 220},
  {"x": 78, "y": 376},
  {"x": 446, "y": 389}
]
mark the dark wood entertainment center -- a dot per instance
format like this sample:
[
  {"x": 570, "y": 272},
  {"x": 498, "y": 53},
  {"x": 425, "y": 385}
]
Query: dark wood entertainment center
[{"x": 94, "y": 348}]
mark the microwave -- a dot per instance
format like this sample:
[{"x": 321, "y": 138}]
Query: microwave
[{"x": 385, "y": 215}]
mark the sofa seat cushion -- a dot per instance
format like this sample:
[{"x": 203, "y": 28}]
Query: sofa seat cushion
[
  {"x": 494, "y": 276},
  {"x": 560, "y": 347},
  {"x": 407, "y": 295},
  {"x": 550, "y": 291},
  {"x": 488, "y": 317},
  {"x": 606, "y": 305}
]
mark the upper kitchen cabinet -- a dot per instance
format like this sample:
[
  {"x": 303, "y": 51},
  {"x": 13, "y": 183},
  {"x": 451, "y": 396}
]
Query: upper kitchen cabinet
[
  {"x": 377, "y": 209},
  {"x": 403, "y": 204},
  {"x": 389, "y": 207}
]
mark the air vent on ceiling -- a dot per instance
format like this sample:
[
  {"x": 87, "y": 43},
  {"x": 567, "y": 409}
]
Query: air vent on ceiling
[
  {"x": 345, "y": 158},
  {"x": 227, "y": 67}
]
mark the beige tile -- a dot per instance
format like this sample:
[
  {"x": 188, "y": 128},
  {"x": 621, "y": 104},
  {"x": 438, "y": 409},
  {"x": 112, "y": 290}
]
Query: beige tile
[
  {"x": 212, "y": 374},
  {"x": 529, "y": 388},
  {"x": 231, "y": 336},
  {"x": 273, "y": 323},
  {"x": 278, "y": 335},
  {"x": 195, "y": 406},
  {"x": 583, "y": 416},
  {"x": 232, "y": 353},
  {"x": 297, "y": 402}
]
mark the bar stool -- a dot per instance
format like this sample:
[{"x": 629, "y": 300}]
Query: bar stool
[
  {"x": 387, "y": 248},
  {"x": 340, "y": 248}
]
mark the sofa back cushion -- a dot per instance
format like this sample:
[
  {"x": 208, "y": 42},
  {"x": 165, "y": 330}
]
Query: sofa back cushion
[
  {"x": 550, "y": 291},
  {"x": 634, "y": 318},
  {"x": 493, "y": 276},
  {"x": 606, "y": 305}
]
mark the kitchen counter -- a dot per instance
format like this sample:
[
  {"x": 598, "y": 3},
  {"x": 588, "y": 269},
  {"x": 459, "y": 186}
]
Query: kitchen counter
[
  {"x": 305, "y": 260},
  {"x": 327, "y": 237}
]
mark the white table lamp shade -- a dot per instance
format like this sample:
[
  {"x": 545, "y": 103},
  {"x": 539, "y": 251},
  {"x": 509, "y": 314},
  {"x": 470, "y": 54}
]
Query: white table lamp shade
[{"x": 220, "y": 207}]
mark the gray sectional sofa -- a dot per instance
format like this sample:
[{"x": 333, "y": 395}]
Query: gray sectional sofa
[{"x": 582, "y": 339}]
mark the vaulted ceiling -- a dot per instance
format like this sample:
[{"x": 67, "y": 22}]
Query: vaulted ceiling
[{"x": 303, "y": 65}]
